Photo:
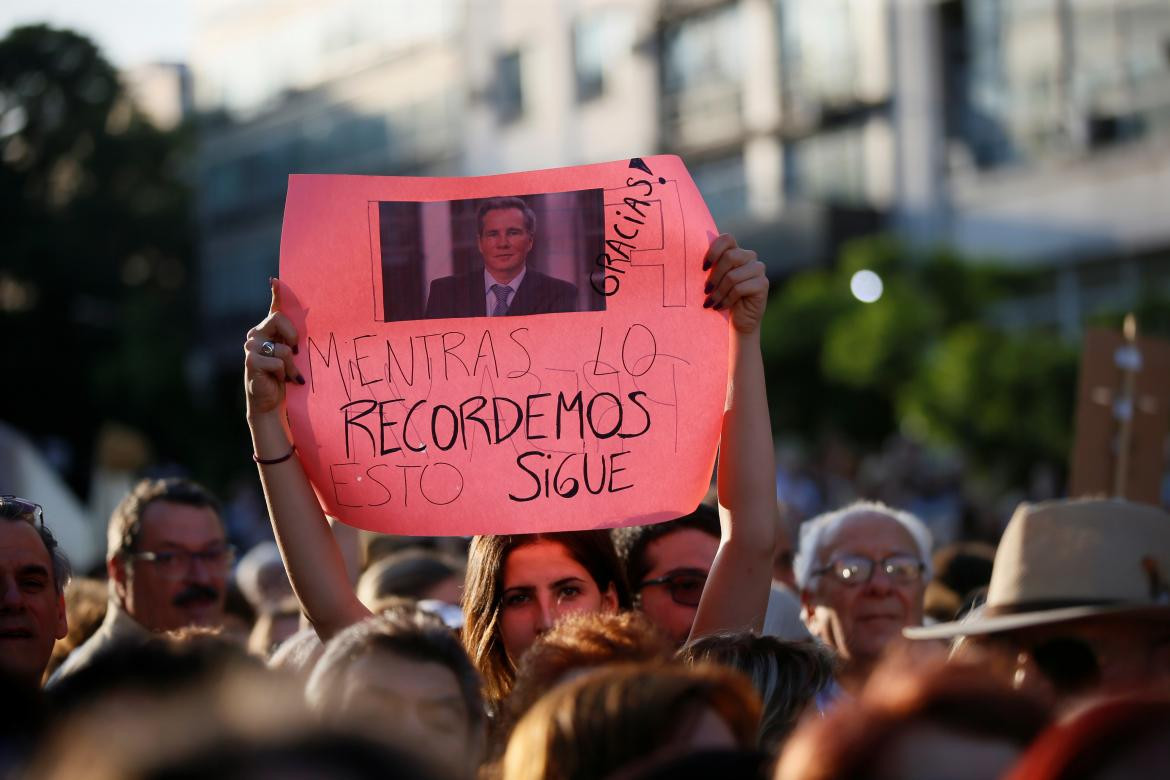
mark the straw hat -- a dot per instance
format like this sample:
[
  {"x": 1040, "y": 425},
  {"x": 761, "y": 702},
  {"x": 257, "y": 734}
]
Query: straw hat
[{"x": 1064, "y": 560}]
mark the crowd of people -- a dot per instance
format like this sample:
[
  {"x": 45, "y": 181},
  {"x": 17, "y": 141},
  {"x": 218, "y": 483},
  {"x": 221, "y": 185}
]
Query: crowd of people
[{"x": 725, "y": 643}]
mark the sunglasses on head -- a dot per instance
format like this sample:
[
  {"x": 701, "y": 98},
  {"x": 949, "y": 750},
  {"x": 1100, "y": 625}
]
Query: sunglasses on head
[
  {"x": 686, "y": 587},
  {"x": 15, "y": 508}
]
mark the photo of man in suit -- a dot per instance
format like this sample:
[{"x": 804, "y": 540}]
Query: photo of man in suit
[{"x": 505, "y": 285}]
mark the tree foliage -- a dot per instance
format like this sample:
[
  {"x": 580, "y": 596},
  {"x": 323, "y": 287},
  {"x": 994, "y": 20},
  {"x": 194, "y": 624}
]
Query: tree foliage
[
  {"x": 95, "y": 281},
  {"x": 925, "y": 359}
]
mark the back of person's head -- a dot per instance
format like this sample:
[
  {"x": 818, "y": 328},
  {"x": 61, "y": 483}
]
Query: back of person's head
[
  {"x": 1128, "y": 737},
  {"x": 483, "y": 593},
  {"x": 417, "y": 638},
  {"x": 275, "y": 623},
  {"x": 631, "y": 541},
  {"x": 630, "y": 718},
  {"x": 324, "y": 755},
  {"x": 413, "y": 573},
  {"x": 786, "y": 675},
  {"x": 261, "y": 578},
  {"x": 961, "y": 570},
  {"x": 298, "y": 654},
  {"x": 234, "y": 727},
  {"x": 917, "y": 717},
  {"x": 125, "y": 526},
  {"x": 165, "y": 664},
  {"x": 579, "y": 642}
]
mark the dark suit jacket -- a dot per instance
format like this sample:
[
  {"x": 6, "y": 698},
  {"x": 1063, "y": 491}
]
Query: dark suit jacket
[{"x": 464, "y": 296}]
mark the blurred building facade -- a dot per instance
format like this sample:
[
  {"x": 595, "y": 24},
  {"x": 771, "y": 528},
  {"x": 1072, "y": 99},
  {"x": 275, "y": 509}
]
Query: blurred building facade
[
  {"x": 162, "y": 91},
  {"x": 1036, "y": 131}
]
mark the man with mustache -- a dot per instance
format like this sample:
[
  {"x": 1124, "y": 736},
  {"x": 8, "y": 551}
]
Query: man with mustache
[
  {"x": 506, "y": 285},
  {"x": 862, "y": 573},
  {"x": 168, "y": 562}
]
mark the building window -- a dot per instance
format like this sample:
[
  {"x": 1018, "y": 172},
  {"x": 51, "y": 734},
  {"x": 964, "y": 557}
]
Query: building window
[
  {"x": 723, "y": 185},
  {"x": 600, "y": 39},
  {"x": 702, "y": 78},
  {"x": 827, "y": 168},
  {"x": 819, "y": 61},
  {"x": 1049, "y": 78},
  {"x": 509, "y": 87}
]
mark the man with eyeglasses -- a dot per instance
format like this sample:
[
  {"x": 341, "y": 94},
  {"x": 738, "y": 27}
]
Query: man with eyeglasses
[
  {"x": 33, "y": 574},
  {"x": 667, "y": 565},
  {"x": 862, "y": 572},
  {"x": 168, "y": 561}
]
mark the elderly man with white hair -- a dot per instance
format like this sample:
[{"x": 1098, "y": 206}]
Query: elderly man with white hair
[{"x": 862, "y": 572}]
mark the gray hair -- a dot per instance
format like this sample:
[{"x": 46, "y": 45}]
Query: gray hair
[
  {"x": 62, "y": 571},
  {"x": 814, "y": 532}
]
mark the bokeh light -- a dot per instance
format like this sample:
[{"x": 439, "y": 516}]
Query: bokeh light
[{"x": 866, "y": 286}]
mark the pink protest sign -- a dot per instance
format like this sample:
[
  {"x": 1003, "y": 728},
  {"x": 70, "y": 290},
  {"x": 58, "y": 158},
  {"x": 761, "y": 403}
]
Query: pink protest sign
[{"x": 504, "y": 354}]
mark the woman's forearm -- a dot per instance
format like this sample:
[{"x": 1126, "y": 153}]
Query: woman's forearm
[{"x": 311, "y": 556}]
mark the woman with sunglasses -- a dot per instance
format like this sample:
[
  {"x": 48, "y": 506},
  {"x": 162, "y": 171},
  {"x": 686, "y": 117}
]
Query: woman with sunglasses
[{"x": 517, "y": 585}]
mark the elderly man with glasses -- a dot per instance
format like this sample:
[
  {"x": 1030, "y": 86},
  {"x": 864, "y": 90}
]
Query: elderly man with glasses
[
  {"x": 168, "y": 562},
  {"x": 33, "y": 573},
  {"x": 862, "y": 573}
]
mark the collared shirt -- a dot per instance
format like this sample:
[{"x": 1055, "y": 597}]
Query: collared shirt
[{"x": 514, "y": 286}]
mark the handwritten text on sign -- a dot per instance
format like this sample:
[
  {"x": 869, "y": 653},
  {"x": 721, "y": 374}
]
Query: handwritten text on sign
[{"x": 505, "y": 354}]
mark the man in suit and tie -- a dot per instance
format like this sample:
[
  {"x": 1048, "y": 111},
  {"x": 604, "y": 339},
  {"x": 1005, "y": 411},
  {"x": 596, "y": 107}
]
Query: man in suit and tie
[{"x": 505, "y": 285}]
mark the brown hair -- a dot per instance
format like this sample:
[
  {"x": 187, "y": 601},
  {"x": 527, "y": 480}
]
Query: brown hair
[
  {"x": 631, "y": 541},
  {"x": 787, "y": 675},
  {"x": 597, "y": 724},
  {"x": 483, "y": 594},
  {"x": 850, "y": 740},
  {"x": 126, "y": 521},
  {"x": 580, "y": 641}
]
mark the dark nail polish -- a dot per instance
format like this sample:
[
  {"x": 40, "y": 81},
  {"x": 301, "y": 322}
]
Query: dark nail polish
[
  {"x": 706, "y": 264},
  {"x": 300, "y": 380},
  {"x": 718, "y": 306},
  {"x": 707, "y": 303},
  {"x": 295, "y": 350},
  {"x": 708, "y": 288}
]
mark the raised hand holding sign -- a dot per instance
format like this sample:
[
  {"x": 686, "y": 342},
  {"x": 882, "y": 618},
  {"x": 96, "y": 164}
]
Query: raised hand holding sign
[{"x": 506, "y": 354}]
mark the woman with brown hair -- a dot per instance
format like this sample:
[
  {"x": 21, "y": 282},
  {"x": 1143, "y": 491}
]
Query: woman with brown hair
[
  {"x": 519, "y": 585},
  {"x": 631, "y": 719},
  {"x": 516, "y": 586}
]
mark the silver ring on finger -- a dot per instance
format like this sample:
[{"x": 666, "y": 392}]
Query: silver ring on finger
[{"x": 268, "y": 349}]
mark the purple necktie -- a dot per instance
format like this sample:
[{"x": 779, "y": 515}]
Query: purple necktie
[{"x": 501, "y": 292}]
